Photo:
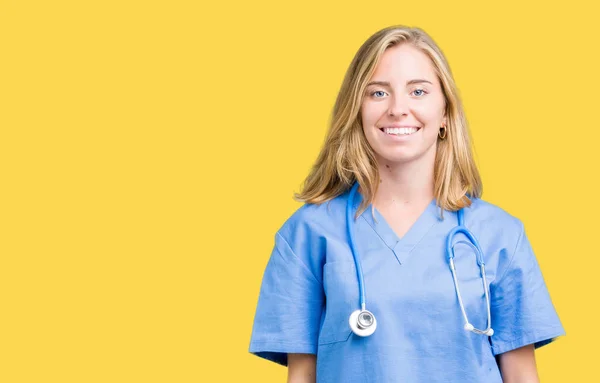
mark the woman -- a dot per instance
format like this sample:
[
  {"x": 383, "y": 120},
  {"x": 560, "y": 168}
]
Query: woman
[{"x": 399, "y": 144}]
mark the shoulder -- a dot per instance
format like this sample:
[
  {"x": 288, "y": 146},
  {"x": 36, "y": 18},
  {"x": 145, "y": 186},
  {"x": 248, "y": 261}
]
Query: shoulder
[
  {"x": 310, "y": 229},
  {"x": 315, "y": 218},
  {"x": 493, "y": 221}
]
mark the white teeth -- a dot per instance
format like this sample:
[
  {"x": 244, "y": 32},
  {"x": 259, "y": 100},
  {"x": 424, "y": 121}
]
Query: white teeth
[{"x": 400, "y": 131}]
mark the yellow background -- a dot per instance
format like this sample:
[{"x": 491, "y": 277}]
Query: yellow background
[{"x": 150, "y": 150}]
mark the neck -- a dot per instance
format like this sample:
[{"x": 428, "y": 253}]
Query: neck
[{"x": 405, "y": 185}]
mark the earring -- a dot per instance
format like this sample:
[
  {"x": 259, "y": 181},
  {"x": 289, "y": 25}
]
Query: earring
[{"x": 442, "y": 136}]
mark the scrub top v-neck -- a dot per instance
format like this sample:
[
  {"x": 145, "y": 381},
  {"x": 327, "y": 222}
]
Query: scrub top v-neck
[
  {"x": 310, "y": 288},
  {"x": 400, "y": 246}
]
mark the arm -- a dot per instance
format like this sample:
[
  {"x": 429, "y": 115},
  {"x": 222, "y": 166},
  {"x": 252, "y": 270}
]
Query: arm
[
  {"x": 302, "y": 368},
  {"x": 518, "y": 366}
]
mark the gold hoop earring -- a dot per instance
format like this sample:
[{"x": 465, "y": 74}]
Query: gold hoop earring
[{"x": 442, "y": 136}]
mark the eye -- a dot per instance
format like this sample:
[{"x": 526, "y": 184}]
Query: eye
[
  {"x": 419, "y": 92},
  {"x": 378, "y": 93}
]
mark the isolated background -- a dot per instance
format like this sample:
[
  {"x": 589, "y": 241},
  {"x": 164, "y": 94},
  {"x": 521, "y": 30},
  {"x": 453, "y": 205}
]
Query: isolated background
[{"x": 149, "y": 151}]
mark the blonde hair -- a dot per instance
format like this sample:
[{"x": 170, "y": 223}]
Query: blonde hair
[{"x": 346, "y": 156}]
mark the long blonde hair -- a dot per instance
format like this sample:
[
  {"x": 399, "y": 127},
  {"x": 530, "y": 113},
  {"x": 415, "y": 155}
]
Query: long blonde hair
[{"x": 346, "y": 156}]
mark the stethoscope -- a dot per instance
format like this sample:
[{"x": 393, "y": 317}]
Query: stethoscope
[{"x": 363, "y": 322}]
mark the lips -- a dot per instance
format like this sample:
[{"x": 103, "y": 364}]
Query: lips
[{"x": 399, "y": 126}]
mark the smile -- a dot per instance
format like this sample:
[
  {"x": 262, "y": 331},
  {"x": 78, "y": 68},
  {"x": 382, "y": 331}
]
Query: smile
[{"x": 400, "y": 131}]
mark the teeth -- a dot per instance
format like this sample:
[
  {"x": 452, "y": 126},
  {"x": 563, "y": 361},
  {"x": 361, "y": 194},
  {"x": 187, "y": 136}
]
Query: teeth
[{"x": 400, "y": 131}]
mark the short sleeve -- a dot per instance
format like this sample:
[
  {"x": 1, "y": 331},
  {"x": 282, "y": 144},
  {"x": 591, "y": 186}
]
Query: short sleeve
[
  {"x": 521, "y": 308},
  {"x": 290, "y": 304}
]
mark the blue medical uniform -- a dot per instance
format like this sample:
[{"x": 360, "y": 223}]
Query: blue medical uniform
[{"x": 310, "y": 288}]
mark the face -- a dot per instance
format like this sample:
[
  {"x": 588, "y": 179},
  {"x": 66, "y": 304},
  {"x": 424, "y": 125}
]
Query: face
[{"x": 403, "y": 107}]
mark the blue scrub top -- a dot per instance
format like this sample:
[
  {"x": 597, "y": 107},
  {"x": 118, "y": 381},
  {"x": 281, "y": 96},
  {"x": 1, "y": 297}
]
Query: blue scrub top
[{"x": 310, "y": 288}]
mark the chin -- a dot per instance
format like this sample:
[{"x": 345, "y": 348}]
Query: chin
[{"x": 398, "y": 158}]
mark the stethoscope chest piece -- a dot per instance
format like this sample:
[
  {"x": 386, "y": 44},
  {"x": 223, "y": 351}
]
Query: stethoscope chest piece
[{"x": 362, "y": 322}]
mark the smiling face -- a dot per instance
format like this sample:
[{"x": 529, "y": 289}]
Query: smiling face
[{"x": 403, "y": 107}]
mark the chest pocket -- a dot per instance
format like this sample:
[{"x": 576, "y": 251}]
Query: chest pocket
[{"x": 341, "y": 299}]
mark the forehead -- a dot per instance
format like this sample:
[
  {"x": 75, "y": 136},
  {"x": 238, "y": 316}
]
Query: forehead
[{"x": 404, "y": 62}]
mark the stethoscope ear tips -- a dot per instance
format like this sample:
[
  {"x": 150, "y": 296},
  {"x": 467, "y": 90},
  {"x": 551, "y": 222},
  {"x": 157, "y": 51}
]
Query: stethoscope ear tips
[
  {"x": 470, "y": 327},
  {"x": 362, "y": 322}
]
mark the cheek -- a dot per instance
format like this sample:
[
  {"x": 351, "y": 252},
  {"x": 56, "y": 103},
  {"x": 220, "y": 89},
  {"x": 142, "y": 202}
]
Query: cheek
[
  {"x": 370, "y": 114},
  {"x": 428, "y": 113}
]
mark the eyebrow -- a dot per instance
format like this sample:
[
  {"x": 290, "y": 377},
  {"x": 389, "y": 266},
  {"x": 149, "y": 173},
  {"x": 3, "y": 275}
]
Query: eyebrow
[{"x": 410, "y": 82}]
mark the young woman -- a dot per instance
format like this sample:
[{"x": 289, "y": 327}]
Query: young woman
[{"x": 395, "y": 269}]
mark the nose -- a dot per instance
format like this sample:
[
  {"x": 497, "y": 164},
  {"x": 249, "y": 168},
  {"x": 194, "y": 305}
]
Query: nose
[{"x": 398, "y": 106}]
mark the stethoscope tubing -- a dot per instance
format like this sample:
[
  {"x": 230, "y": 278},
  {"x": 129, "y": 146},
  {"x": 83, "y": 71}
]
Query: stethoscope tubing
[{"x": 349, "y": 220}]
